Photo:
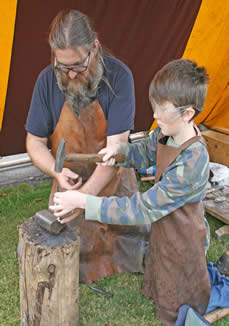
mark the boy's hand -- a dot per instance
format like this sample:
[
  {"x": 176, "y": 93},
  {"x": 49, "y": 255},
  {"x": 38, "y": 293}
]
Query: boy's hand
[
  {"x": 109, "y": 152},
  {"x": 68, "y": 202}
]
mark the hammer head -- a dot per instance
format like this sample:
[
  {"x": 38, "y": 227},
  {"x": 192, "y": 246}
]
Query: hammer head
[
  {"x": 49, "y": 222},
  {"x": 60, "y": 156}
]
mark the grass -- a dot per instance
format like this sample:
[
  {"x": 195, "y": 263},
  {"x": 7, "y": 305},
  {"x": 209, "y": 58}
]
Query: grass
[{"x": 127, "y": 307}]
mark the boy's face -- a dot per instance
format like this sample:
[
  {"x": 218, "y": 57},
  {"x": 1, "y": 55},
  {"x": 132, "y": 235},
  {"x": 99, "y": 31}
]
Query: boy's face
[{"x": 169, "y": 118}]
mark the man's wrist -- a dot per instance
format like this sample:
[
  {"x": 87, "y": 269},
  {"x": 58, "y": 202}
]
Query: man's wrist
[
  {"x": 83, "y": 199},
  {"x": 52, "y": 171}
]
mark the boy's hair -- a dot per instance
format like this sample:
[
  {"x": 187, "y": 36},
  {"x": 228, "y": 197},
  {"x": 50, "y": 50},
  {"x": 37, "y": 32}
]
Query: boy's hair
[{"x": 182, "y": 83}]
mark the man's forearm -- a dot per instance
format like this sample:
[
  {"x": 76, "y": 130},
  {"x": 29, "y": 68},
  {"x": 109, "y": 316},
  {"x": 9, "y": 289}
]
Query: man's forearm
[
  {"x": 40, "y": 155},
  {"x": 98, "y": 180},
  {"x": 103, "y": 174}
]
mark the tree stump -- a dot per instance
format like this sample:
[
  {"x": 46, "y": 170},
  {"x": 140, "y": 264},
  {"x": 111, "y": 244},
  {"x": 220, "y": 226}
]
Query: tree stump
[{"x": 49, "y": 276}]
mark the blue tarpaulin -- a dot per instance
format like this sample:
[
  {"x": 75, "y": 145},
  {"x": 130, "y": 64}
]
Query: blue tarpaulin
[
  {"x": 219, "y": 298},
  {"x": 219, "y": 289}
]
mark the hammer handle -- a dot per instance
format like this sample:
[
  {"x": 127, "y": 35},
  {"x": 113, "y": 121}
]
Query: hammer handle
[
  {"x": 208, "y": 191},
  {"x": 149, "y": 178},
  {"x": 92, "y": 158},
  {"x": 217, "y": 314}
]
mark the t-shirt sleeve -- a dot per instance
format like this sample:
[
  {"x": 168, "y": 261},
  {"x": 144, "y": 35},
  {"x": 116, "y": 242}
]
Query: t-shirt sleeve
[
  {"x": 121, "y": 111},
  {"x": 39, "y": 120}
]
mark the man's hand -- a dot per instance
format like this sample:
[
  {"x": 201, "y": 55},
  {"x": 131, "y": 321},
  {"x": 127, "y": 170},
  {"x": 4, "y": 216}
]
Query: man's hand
[
  {"x": 67, "y": 179},
  {"x": 43, "y": 159},
  {"x": 71, "y": 216}
]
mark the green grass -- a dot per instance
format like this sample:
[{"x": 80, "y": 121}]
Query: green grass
[{"x": 127, "y": 307}]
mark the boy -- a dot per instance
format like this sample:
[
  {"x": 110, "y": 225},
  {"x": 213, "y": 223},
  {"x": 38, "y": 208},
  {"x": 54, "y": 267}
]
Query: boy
[{"x": 176, "y": 271}]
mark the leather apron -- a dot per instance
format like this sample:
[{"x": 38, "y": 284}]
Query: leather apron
[
  {"x": 176, "y": 269},
  {"x": 104, "y": 249}
]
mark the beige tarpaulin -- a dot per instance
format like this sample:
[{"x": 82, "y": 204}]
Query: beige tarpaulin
[
  {"x": 7, "y": 23},
  {"x": 208, "y": 45}
]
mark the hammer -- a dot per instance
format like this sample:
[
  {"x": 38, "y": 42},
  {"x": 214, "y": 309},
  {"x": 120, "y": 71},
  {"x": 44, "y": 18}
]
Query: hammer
[
  {"x": 45, "y": 218},
  {"x": 61, "y": 157}
]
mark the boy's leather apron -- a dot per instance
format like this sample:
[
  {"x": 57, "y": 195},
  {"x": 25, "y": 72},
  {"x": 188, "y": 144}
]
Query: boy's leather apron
[
  {"x": 104, "y": 249},
  {"x": 176, "y": 270}
]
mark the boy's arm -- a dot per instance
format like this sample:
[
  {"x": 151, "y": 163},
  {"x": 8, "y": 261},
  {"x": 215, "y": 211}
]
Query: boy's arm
[
  {"x": 181, "y": 184},
  {"x": 141, "y": 154}
]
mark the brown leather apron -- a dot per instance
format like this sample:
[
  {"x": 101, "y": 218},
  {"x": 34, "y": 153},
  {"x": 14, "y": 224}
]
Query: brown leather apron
[
  {"x": 104, "y": 249},
  {"x": 176, "y": 269}
]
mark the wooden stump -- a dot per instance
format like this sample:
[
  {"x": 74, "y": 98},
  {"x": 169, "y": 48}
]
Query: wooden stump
[{"x": 49, "y": 276}]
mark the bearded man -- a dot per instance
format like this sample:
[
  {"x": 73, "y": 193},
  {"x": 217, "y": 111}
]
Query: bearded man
[{"x": 87, "y": 99}]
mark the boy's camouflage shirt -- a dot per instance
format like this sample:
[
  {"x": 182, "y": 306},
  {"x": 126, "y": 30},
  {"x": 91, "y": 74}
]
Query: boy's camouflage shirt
[{"x": 184, "y": 181}]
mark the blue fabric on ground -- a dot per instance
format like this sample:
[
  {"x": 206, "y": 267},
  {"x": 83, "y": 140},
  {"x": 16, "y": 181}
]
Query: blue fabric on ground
[
  {"x": 219, "y": 289},
  {"x": 187, "y": 316},
  {"x": 219, "y": 298}
]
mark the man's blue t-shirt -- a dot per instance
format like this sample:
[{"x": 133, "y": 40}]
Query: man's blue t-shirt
[{"x": 118, "y": 103}]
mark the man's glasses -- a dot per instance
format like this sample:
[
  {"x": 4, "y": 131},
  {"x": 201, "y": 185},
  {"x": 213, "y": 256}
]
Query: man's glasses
[{"x": 80, "y": 68}]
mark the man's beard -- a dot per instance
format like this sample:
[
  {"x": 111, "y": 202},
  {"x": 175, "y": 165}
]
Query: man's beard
[{"x": 80, "y": 92}]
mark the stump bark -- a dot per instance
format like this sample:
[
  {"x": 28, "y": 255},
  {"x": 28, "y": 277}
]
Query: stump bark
[{"x": 49, "y": 276}]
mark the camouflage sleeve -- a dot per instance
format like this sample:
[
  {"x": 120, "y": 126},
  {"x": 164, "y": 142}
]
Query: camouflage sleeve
[
  {"x": 141, "y": 154},
  {"x": 184, "y": 181}
]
